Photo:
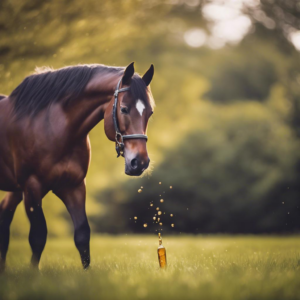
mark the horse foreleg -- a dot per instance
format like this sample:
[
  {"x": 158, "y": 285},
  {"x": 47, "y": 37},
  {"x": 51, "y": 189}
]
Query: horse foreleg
[
  {"x": 33, "y": 195},
  {"x": 7, "y": 209},
  {"x": 74, "y": 199}
]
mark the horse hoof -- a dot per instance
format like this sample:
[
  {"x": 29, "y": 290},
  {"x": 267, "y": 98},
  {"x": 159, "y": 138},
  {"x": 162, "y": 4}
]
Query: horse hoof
[{"x": 86, "y": 266}]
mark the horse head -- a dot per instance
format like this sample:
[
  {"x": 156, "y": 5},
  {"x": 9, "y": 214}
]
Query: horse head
[{"x": 126, "y": 119}]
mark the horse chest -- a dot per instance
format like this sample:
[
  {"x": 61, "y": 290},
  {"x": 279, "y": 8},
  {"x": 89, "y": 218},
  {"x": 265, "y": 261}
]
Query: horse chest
[{"x": 71, "y": 169}]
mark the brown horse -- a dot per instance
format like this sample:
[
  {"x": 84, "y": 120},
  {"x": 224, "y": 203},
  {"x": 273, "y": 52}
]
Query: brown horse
[{"x": 44, "y": 126}]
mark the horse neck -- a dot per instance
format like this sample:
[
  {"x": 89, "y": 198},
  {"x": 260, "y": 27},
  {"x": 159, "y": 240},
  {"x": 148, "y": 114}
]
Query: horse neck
[{"x": 90, "y": 108}]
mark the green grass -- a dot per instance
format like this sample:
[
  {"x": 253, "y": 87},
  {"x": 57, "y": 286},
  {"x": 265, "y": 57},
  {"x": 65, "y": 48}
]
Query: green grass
[{"x": 203, "y": 267}]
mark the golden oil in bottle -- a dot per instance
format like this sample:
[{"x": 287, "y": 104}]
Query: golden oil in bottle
[{"x": 162, "y": 254}]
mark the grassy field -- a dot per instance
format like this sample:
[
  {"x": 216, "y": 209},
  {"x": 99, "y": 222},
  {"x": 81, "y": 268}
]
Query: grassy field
[{"x": 203, "y": 267}]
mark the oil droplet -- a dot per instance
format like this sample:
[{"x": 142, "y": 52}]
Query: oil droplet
[
  {"x": 154, "y": 218},
  {"x": 135, "y": 218},
  {"x": 139, "y": 190},
  {"x": 160, "y": 223},
  {"x": 160, "y": 182},
  {"x": 142, "y": 187},
  {"x": 31, "y": 209},
  {"x": 172, "y": 225},
  {"x": 151, "y": 204},
  {"x": 158, "y": 219},
  {"x": 157, "y": 208},
  {"x": 159, "y": 213},
  {"x": 171, "y": 215},
  {"x": 145, "y": 225},
  {"x": 161, "y": 200},
  {"x": 171, "y": 187}
]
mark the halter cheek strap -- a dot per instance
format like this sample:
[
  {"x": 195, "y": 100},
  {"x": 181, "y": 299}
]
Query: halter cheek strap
[{"x": 119, "y": 137}]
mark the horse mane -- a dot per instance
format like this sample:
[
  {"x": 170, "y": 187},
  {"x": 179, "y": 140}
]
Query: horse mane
[{"x": 48, "y": 86}]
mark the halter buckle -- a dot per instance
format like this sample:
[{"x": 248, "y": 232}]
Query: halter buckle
[{"x": 119, "y": 144}]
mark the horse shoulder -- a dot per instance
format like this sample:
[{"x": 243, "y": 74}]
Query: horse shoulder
[{"x": 71, "y": 170}]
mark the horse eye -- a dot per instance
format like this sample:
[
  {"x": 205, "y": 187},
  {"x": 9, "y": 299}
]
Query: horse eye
[{"x": 124, "y": 110}]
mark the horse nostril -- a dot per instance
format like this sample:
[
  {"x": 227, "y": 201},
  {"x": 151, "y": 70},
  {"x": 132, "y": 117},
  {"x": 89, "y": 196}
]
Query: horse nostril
[{"x": 134, "y": 163}]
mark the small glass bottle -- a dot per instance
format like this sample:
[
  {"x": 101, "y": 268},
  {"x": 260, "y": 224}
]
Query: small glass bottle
[{"x": 162, "y": 254}]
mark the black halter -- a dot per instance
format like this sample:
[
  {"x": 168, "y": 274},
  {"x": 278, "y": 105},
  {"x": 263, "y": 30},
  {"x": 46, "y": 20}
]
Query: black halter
[{"x": 119, "y": 137}]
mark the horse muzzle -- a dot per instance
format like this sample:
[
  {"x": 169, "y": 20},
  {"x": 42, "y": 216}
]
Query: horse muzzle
[{"x": 136, "y": 166}]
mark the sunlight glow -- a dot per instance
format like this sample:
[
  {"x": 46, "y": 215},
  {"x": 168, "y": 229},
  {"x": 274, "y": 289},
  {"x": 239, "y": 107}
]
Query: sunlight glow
[
  {"x": 195, "y": 37},
  {"x": 226, "y": 23},
  {"x": 232, "y": 30},
  {"x": 295, "y": 39},
  {"x": 217, "y": 12}
]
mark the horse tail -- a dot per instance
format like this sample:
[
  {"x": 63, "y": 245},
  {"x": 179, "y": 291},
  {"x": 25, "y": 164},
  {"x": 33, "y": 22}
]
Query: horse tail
[{"x": 2, "y": 97}]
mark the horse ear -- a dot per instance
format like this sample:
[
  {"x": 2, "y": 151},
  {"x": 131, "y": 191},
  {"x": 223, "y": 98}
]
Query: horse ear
[
  {"x": 128, "y": 73},
  {"x": 148, "y": 75}
]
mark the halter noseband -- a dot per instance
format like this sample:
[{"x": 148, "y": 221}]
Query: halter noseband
[{"x": 119, "y": 137}]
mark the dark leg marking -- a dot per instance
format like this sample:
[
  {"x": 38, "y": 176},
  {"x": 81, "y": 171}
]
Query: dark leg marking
[
  {"x": 33, "y": 195},
  {"x": 74, "y": 199},
  {"x": 7, "y": 210}
]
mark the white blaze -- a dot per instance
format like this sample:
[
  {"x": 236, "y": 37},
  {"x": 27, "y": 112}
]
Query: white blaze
[{"x": 140, "y": 107}]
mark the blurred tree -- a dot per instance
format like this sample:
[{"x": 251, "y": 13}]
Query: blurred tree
[
  {"x": 225, "y": 178},
  {"x": 249, "y": 77},
  {"x": 232, "y": 159}
]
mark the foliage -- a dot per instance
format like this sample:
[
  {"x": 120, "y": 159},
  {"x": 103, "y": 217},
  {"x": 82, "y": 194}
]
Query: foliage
[
  {"x": 224, "y": 174},
  {"x": 226, "y": 129}
]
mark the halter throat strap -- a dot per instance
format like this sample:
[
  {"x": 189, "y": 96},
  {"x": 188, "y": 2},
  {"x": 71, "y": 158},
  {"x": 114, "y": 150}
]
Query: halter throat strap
[{"x": 119, "y": 137}]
